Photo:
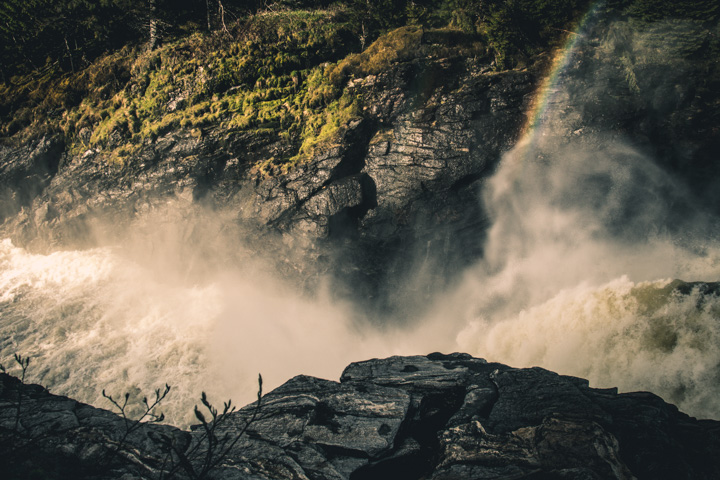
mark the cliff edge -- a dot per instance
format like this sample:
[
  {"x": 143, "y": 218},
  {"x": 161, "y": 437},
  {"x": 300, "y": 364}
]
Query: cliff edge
[{"x": 421, "y": 417}]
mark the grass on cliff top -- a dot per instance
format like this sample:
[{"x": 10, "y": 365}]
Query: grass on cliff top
[
  {"x": 285, "y": 73},
  {"x": 282, "y": 73},
  {"x": 248, "y": 82}
]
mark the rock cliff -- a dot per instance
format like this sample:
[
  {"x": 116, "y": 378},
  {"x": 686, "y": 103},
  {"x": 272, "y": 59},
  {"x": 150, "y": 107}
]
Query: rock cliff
[
  {"x": 433, "y": 417},
  {"x": 399, "y": 190},
  {"x": 402, "y": 182}
]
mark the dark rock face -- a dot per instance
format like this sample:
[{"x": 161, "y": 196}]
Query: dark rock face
[
  {"x": 434, "y": 417},
  {"x": 25, "y": 172},
  {"x": 49, "y": 436},
  {"x": 402, "y": 180},
  {"x": 398, "y": 193}
]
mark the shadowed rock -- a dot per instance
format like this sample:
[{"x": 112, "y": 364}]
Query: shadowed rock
[{"x": 433, "y": 417}]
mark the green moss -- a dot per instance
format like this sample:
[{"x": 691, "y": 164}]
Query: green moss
[
  {"x": 285, "y": 74},
  {"x": 400, "y": 44},
  {"x": 305, "y": 107},
  {"x": 209, "y": 80},
  {"x": 328, "y": 126}
]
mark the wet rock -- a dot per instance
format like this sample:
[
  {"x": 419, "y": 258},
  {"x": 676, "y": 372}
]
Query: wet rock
[
  {"x": 403, "y": 178},
  {"x": 25, "y": 171},
  {"x": 399, "y": 193},
  {"x": 438, "y": 416},
  {"x": 49, "y": 436}
]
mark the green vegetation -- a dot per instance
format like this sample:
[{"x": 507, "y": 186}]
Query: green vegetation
[
  {"x": 69, "y": 34},
  {"x": 208, "y": 449},
  {"x": 269, "y": 68},
  {"x": 265, "y": 77},
  {"x": 281, "y": 72},
  {"x": 398, "y": 45}
]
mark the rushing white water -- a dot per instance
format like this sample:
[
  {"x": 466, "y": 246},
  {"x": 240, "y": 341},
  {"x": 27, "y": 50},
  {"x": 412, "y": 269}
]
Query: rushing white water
[
  {"x": 587, "y": 231},
  {"x": 622, "y": 334},
  {"x": 99, "y": 319},
  {"x": 563, "y": 286},
  {"x": 91, "y": 320},
  {"x": 585, "y": 237}
]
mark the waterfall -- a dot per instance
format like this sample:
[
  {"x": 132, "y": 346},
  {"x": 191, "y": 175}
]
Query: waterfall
[{"x": 587, "y": 234}]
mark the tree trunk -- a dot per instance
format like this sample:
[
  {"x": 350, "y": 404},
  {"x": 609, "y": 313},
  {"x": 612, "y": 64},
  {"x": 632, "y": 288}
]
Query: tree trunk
[
  {"x": 222, "y": 16},
  {"x": 70, "y": 55},
  {"x": 154, "y": 30},
  {"x": 363, "y": 37},
  {"x": 207, "y": 10}
]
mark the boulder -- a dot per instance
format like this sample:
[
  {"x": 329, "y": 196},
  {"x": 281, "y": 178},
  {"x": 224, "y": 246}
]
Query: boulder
[{"x": 435, "y": 417}]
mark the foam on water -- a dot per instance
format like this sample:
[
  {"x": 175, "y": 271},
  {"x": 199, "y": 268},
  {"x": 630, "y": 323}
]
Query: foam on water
[
  {"x": 96, "y": 319},
  {"x": 586, "y": 233},
  {"x": 92, "y": 320},
  {"x": 622, "y": 334}
]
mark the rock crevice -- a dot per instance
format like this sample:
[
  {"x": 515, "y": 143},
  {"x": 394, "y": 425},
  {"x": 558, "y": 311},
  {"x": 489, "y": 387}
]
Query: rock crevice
[{"x": 439, "y": 417}]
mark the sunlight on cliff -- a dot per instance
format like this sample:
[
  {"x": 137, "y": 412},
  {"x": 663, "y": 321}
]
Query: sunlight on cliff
[{"x": 587, "y": 231}]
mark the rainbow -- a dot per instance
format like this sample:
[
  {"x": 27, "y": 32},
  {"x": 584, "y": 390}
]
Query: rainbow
[{"x": 550, "y": 85}]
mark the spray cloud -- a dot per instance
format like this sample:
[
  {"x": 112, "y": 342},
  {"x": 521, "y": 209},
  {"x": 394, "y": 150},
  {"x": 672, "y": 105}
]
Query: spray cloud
[{"x": 587, "y": 232}]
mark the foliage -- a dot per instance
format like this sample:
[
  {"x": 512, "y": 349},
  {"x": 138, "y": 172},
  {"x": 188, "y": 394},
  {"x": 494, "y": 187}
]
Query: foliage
[
  {"x": 512, "y": 28},
  {"x": 212, "y": 446},
  {"x": 40, "y": 100},
  {"x": 195, "y": 82},
  {"x": 272, "y": 75},
  {"x": 68, "y": 34},
  {"x": 397, "y": 45},
  {"x": 467, "y": 15},
  {"x": 276, "y": 71},
  {"x": 72, "y": 33},
  {"x": 132, "y": 425},
  {"x": 520, "y": 28},
  {"x": 278, "y": 68}
]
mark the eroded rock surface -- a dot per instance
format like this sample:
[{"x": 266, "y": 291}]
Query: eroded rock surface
[
  {"x": 399, "y": 194},
  {"x": 49, "y": 436},
  {"x": 423, "y": 417},
  {"x": 402, "y": 180}
]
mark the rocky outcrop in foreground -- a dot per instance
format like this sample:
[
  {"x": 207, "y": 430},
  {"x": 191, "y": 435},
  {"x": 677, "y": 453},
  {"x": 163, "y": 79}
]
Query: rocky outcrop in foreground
[{"x": 430, "y": 417}]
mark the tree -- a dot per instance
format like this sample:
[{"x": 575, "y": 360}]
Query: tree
[
  {"x": 153, "y": 21},
  {"x": 66, "y": 33},
  {"x": 211, "y": 447}
]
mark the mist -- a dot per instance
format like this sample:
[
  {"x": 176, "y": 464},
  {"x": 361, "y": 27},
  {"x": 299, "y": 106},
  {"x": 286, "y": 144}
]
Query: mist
[
  {"x": 178, "y": 299},
  {"x": 580, "y": 247},
  {"x": 588, "y": 228}
]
